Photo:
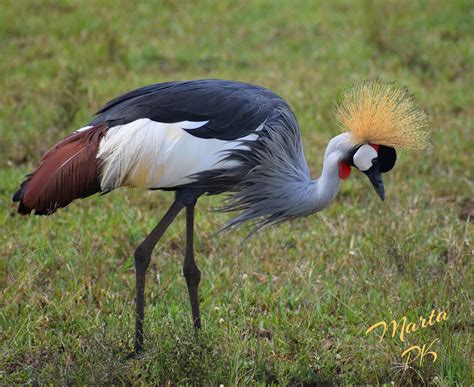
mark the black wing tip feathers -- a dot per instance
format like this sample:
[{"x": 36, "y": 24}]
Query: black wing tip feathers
[
  {"x": 23, "y": 210},
  {"x": 18, "y": 195}
]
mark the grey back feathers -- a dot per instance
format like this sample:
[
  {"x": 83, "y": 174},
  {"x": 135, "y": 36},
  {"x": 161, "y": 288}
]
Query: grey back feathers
[
  {"x": 232, "y": 109},
  {"x": 277, "y": 175}
]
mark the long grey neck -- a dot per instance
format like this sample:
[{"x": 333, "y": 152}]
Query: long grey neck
[
  {"x": 327, "y": 186},
  {"x": 319, "y": 193}
]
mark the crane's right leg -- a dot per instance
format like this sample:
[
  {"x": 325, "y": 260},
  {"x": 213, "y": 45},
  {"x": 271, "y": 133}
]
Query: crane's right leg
[{"x": 142, "y": 260}]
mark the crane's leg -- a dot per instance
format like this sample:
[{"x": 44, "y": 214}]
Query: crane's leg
[
  {"x": 142, "y": 260},
  {"x": 190, "y": 270}
]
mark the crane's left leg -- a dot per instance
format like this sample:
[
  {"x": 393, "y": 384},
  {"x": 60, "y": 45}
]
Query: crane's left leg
[
  {"x": 142, "y": 260},
  {"x": 190, "y": 270}
]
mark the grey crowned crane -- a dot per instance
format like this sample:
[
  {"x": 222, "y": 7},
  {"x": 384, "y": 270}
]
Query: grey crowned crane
[{"x": 216, "y": 136}]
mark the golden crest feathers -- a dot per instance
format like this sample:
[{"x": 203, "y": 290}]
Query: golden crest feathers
[{"x": 381, "y": 113}]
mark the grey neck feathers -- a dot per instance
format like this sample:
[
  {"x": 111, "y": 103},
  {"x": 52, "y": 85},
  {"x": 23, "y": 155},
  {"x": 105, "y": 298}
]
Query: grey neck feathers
[
  {"x": 315, "y": 195},
  {"x": 325, "y": 188}
]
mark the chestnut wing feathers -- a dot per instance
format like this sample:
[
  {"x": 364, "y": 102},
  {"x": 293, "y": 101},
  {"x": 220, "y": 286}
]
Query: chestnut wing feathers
[{"x": 66, "y": 172}]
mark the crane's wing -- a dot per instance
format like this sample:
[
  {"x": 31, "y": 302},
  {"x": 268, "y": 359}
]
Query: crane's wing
[
  {"x": 224, "y": 110},
  {"x": 163, "y": 135}
]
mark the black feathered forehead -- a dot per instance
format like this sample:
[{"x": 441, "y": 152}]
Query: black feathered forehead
[{"x": 387, "y": 158}]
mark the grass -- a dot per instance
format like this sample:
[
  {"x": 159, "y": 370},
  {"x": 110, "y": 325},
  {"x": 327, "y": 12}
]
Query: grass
[{"x": 291, "y": 305}]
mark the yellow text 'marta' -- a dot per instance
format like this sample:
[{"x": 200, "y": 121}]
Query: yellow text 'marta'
[{"x": 404, "y": 327}]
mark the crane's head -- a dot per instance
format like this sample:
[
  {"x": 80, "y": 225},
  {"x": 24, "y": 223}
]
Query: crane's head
[
  {"x": 379, "y": 117},
  {"x": 372, "y": 160}
]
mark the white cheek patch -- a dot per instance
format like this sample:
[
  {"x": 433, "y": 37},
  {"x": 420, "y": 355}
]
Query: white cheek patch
[{"x": 364, "y": 156}]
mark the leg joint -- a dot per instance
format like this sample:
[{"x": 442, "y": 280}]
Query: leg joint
[
  {"x": 192, "y": 273},
  {"x": 142, "y": 256},
  {"x": 188, "y": 197}
]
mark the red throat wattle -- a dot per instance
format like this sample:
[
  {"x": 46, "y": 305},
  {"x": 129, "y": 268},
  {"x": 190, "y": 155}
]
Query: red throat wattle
[{"x": 344, "y": 170}]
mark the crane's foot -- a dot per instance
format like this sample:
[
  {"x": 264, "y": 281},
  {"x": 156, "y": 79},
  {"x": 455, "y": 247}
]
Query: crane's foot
[
  {"x": 197, "y": 324},
  {"x": 136, "y": 353},
  {"x": 132, "y": 356}
]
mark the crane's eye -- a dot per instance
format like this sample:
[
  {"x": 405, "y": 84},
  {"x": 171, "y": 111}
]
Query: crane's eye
[{"x": 375, "y": 161}]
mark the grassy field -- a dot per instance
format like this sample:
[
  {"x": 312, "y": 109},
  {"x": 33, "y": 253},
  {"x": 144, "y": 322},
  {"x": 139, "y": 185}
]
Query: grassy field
[{"x": 291, "y": 305}]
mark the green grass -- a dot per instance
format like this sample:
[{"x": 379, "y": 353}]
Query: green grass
[{"x": 293, "y": 303}]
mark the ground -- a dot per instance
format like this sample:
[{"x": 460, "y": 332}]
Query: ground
[{"x": 293, "y": 303}]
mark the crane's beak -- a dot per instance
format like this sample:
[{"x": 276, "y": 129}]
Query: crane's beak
[{"x": 375, "y": 178}]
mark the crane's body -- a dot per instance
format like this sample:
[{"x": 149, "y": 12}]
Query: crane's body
[
  {"x": 210, "y": 137},
  {"x": 168, "y": 133}
]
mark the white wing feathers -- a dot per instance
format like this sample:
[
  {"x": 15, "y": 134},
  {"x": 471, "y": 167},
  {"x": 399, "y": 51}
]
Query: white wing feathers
[{"x": 149, "y": 154}]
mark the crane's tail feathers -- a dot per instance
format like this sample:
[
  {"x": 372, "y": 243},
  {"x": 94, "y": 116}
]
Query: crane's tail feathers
[{"x": 68, "y": 171}]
